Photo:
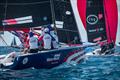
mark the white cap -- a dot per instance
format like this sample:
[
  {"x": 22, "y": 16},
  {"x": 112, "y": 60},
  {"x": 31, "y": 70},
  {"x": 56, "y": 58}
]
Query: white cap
[{"x": 46, "y": 30}]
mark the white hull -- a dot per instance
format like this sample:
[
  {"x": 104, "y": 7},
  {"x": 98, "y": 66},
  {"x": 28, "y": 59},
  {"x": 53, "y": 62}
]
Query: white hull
[{"x": 2, "y": 57}]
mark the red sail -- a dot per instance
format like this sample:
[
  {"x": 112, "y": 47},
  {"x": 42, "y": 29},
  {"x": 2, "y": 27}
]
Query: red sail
[
  {"x": 111, "y": 13},
  {"x": 82, "y": 10}
]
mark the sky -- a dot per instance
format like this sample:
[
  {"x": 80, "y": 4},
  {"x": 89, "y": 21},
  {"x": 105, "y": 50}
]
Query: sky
[{"x": 8, "y": 37}]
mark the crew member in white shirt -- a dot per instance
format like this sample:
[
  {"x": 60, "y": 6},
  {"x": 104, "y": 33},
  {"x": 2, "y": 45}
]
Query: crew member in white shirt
[
  {"x": 47, "y": 39},
  {"x": 33, "y": 43},
  {"x": 55, "y": 42}
]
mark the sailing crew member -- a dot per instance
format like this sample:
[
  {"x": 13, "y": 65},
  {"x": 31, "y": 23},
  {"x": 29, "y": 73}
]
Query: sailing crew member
[
  {"x": 53, "y": 34},
  {"x": 47, "y": 39},
  {"x": 25, "y": 43},
  {"x": 77, "y": 41},
  {"x": 40, "y": 39},
  {"x": 25, "y": 40},
  {"x": 33, "y": 43},
  {"x": 55, "y": 42},
  {"x": 103, "y": 46}
]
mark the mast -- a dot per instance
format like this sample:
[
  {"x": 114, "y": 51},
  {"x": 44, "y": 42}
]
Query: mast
[
  {"x": 53, "y": 13},
  {"x": 6, "y": 5}
]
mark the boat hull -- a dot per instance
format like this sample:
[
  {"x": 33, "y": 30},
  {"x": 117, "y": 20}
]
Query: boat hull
[{"x": 48, "y": 59}]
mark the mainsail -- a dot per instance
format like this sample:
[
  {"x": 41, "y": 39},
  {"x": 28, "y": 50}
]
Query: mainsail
[
  {"x": 64, "y": 13},
  {"x": 23, "y": 14},
  {"x": 99, "y": 18},
  {"x": 111, "y": 12},
  {"x": 95, "y": 21}
]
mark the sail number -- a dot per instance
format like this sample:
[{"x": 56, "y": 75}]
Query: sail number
[{"x": 92, "y": 19}]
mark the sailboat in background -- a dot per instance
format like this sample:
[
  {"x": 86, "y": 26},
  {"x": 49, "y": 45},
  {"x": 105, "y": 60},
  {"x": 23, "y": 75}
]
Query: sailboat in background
[
  {"x": 2, "y": 41},
  {"x": 5, "y": 43},
  {"x": 98, "y": 19},
  {"x": 14, "y": 43}
]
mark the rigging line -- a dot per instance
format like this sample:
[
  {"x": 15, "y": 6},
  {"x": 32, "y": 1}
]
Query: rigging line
[
  {"x": 68, "y": 30},
  {"x": 61, "y": 2},
  {"x": 58, "y": 4},
  {"x": 25, "y": 3}
]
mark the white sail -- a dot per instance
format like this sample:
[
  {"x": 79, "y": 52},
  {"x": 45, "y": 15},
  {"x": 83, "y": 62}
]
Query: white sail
[
  {"x": 7, "y": 38},
  {"x": 2, "y": 41},
  {"x": 118, "y": 30},
  {"x": 82, "y": 31},
  {"x": 21, "y": 20}
]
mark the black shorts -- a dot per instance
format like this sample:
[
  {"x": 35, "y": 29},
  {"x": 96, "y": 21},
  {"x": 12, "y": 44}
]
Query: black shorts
[{"x": 33, "y": 51}]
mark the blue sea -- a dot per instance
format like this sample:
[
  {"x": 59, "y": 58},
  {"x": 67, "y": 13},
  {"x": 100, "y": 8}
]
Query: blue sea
[{"x": 92, "y": 68}]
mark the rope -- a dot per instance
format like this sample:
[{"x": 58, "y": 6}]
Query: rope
[{"x": 68, "y": 30}]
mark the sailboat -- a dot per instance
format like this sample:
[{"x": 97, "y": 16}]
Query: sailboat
[
  {"x": 35, "y": 14},
  {"x": 99, "y": 21},
  {"x": 13, "y": 44}
]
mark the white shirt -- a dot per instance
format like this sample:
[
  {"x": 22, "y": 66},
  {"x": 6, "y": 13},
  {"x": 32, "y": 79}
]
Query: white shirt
[
  {"x": 33, "y": 42},
  {"x": 47, "y": 41},
  {"x": 54, "y": 42}
]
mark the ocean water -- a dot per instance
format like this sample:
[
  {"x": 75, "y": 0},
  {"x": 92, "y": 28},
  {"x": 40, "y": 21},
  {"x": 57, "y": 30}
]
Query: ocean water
[
  {"x": 5, "y": 50},
  {"x": 92, "y": 68}
]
